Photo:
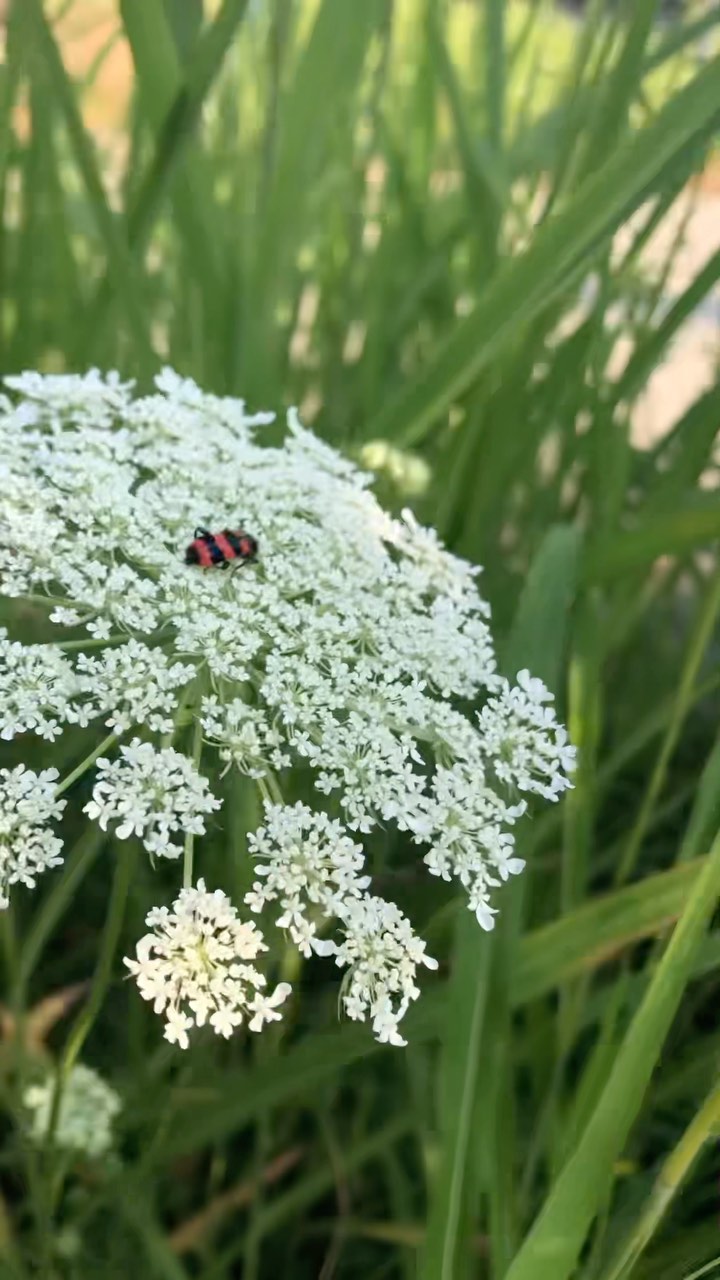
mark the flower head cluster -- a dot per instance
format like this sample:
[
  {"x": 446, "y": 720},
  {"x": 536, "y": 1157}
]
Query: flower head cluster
[
  {"x": 194, "y": 967},
  {"x": 354, "y": 652},
  {"x": 39, "y": 690},
  {"x": 152, "y": 793},
  {"x": 28, "y": 845},
  {"x": 307, "y": 864},
  {"x": 522, "y": 740},
  {"x": 382, "y": 955},
  {"x": 88, "y": 1107},
  {"x": 132, "y": 685},
  {"x": 244, "y": 735}
]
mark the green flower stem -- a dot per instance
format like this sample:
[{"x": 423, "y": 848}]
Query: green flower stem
[
  {"x": 51, "y": 601},
  {"x": 89, "y": 642},
  {"x": 118, "y": 637},
  {"x": 186, "y": 707},
  {"x": 269, "y": 789},
  {"x": 699, "y": 640},
  {"x": 87, "y": 763},
  {"x": 190, "y": 838},
  {"x": 702, "y": 1128}
]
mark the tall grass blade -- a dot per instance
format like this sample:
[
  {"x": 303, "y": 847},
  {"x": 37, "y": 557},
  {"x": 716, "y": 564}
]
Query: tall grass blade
[
  {"x": 552, "y": 1248},
  {"x": 479, "y": 989},
  {"x": 121, "y": 265},
  {"x": 525, "y": 285}
]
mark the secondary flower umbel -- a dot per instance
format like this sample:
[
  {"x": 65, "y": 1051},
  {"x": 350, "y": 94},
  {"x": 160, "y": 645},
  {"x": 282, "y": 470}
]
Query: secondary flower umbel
[
  {"x": 193, "y": 966},
  {"x": 88, "y": 1107},
  {"x": 351, "y": 654}
]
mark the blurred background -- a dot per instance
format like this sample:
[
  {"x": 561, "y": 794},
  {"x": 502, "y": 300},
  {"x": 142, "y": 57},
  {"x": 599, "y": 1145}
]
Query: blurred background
[{"x": 478, "y": 242}]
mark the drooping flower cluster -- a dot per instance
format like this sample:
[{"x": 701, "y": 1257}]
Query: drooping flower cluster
[
  {"x": 193, "y": 966},
  {"x": 351, "y": 652},
  {"x": 88, "y": 1107},
  {"x": 28, "y": 845}
]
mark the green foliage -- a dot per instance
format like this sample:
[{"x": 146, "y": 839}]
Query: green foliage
[{"x": 402, "y": 215}]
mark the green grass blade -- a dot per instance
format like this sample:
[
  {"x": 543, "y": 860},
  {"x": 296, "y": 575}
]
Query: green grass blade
[
  {"x": 650, "y": 353},
  {"x": 675, "y": 1169},
  {"x": 524, "y": 286},
  {"x": 462, "y": 1047},
  {"x": 600, "y": 930},
  {"x": 703, "y": 630},
  {"x": 539, "y": 630},
  {"x": 551, "y": 1249},
  {"x": 705, "y": 815},
  {"x": 328, "y": 70},
  {"x": 479, "y": 992},
  {"x": 611, "y": 115},
  {"x": 485, "y": 187},
  {"x": 495, "y": 72},
  {"x": 121, "y": 266},
  {"x": 679, "y": 460},
  {"x": 183, "y": 114},
  {"x": 173, "y": 102},
  {"x": 677, "y": 532}
]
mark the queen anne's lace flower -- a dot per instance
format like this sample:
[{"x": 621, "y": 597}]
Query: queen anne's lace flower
[
  {"x": 353, "y": 651},
  {"x": 382, "y": 955},
  {"x": 133, "y": 684},
  {"x": 151, "y": 793},
  {"x": 193, "y": 966},
  {"x": 307, "y": 864},
  {"x": 469, "y": 822},
  {"x": 244, "y": 737},
  {"x": 28, "y": 846},
  {"x": 88, "y": 1107},
  {"x": 39, "y": 689},
  {"x": 523, "y": 741}
]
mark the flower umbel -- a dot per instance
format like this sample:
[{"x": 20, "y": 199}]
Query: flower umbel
[
  {"x": 308, "y": 864},
  {"x": 88, "y": 1107},
  {"x": 355, "y": 653},
  {"x": 28, "y": 846},
  {"x": 151, "y": 793},
  {"x": 193, "y": 966}
]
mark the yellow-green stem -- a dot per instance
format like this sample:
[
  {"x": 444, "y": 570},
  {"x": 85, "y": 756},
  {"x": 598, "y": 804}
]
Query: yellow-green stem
[
  {"x": 699, "y": 641},
  {"x": 673, "y": 1173},
  {"x": 188, "y": 704},
  {"x": 102, "y": 977},
  {"x": 87, "y": 763},
  {"x": 190, "y": 838}
]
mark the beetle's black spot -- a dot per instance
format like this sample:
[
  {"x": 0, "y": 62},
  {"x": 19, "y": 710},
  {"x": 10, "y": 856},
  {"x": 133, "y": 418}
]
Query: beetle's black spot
[
  {"x": 216, "y": 554},
  {"x": 234, "y": 541}
]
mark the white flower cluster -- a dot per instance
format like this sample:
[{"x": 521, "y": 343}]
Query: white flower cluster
[
  {"x": 41, "y": 689},
  {"x": 193, "y": 966},
  {"x": 244, "y": 736},
  {"x": 351, "y": 651},
  {"x": 523, "y": 741},
  {"x": 38, "y": 689},
  {"x": 131, "y": 685},
  {"x": 152, "y": 793},
  {"x": 308, "y": 865},
  {"x": 28, "y": 845},
  {"x": 88, "y": 1107}
]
